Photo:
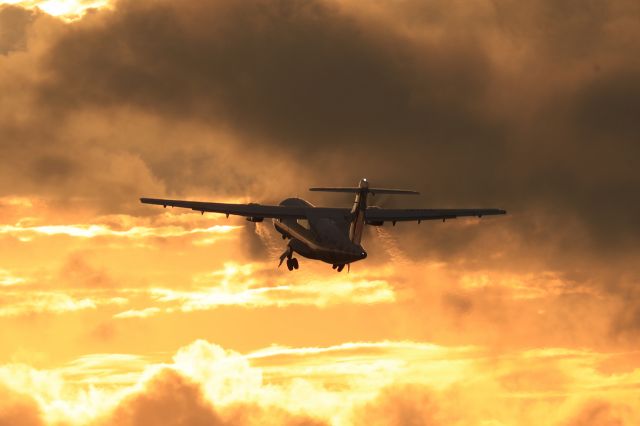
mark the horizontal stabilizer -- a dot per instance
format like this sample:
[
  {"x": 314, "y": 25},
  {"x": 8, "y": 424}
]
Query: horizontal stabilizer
[{"x": 373, "y": 191}]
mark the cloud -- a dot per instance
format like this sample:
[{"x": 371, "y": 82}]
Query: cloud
[
  {"x": 256, "y": 285},
  {"x": 138, "y": 313},
  {"x": 26, "y": 232},
  {"x": 69, "y": 10},
  {"x": 18, "y": 409},
  {"x": 9, "y": 279},
  {"x": 14, "y": 22},
  {"x": 388, "y": 84},
  {"x": 408, "y": 405},
  {"x": 368, "y": 75},
  {"x": 167, "y": 399},
  {"x": 382, "y": 382},
  {"x": 78, "y": 272},
  {"x": 530, "y": 108},
  {"x": 17, "y": 304},
  {"x": 602, "y": 412},
  {"x": 170, "y": 398}
]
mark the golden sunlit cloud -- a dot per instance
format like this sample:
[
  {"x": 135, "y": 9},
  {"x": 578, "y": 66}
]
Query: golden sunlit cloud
[
  {"x": 13, "y": 202},
  {"x": 252, "y": 287},
  {"x": 67, "y": 9},
  {"x": 25, "y": 232},
  {"x": 25, "y": 302},
  {"x": 335, "y": 383},
  {"x": 8, "y": 279},
  {"x": 138, "y": 313}
]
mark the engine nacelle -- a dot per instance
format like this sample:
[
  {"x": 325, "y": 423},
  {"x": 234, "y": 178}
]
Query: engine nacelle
[
  {"x": 374, "y": 222},
  {"x": 255, "y": 219}
]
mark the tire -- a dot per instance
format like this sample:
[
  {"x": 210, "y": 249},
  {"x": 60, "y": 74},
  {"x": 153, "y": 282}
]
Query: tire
[{"x": 294, "y": 262}]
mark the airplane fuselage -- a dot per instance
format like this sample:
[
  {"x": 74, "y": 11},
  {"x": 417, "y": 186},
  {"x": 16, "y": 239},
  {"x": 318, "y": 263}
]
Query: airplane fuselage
[{"x": 322, "y": 238}]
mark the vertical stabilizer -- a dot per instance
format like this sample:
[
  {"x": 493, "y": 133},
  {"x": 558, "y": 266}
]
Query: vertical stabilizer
[
  {"x": 360, "y": 203},
  {"x": 358, "y": 212}
]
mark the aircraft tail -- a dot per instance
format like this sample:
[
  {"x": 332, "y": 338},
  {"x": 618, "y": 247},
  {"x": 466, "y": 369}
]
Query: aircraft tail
[{"x": 360, "y": 204}]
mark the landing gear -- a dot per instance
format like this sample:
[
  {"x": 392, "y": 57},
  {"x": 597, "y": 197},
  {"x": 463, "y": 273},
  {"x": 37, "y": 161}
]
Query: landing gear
[
  {"x": 340, "y": 268},
  {"x": 292, "y": 264}
]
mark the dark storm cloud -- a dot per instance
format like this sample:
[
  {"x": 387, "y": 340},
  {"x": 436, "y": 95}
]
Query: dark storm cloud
[
  {"x": 13, "y": 28},
  {"x": 302, "y": 77},
  {"x": 327, "y": 83},
  {"x": 300, "y": 73}
]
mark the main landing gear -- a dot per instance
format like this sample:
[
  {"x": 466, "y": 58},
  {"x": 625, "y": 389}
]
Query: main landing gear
[
  {"x": 339, "y": 268},
  {"x": 292, "y": 262}
]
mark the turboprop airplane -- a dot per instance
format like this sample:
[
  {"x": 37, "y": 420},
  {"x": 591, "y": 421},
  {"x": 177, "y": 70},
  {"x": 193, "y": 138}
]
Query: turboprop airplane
[{"x": 329, "y": 234}]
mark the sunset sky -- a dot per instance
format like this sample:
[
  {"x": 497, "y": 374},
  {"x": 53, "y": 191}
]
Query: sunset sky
[{"x": 118, "y": 313}]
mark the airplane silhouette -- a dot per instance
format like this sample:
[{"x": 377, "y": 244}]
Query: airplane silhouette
[{"x": 328, "y": 234}]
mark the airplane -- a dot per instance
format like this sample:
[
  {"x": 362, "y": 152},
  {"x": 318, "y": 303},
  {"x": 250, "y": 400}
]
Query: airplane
[{"x": 331, "y": 235}]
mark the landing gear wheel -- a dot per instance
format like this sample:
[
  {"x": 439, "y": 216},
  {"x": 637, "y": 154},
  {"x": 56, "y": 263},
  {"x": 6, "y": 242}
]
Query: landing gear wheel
[
  {"x": 294, "y": 262},
  {"x": 290, "y": 264},
  {"x": 340, "y": 268}
]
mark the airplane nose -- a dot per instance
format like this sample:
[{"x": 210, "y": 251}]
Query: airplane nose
[{"x": 363, "y": 255}]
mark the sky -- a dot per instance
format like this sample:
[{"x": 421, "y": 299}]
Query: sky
[{"x": 114, "y": 312}]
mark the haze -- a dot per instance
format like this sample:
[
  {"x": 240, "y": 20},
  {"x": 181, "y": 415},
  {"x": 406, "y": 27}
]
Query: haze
[{"x": 113, "y": 312}]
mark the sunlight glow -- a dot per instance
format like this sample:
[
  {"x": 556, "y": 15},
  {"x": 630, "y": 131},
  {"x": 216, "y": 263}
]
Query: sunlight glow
[
  {"x": 8, "y": 279},
  {"x": 26, "y": 233},
  {"x": 68, "y": 10},
  {"x": 237, "y": 285}
]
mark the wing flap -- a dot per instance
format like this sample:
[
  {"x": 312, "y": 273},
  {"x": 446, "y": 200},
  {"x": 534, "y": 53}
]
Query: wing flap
[
  {"x": 248, "y": 210},
  {"x": 403, "y": 215}
]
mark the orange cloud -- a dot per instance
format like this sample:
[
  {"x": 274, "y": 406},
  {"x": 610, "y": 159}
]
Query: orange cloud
[
  {"x": 26, "y": 232},
  {"x": 386, "y": 383},
  {"x": 167, "y": 399},
  {"x": 18, "y": 409}
]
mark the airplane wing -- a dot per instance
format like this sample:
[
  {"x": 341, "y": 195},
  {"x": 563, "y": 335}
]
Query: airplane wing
[
  {"x": 377, "y": 216},
  {"x": 251, "y": 210}
]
